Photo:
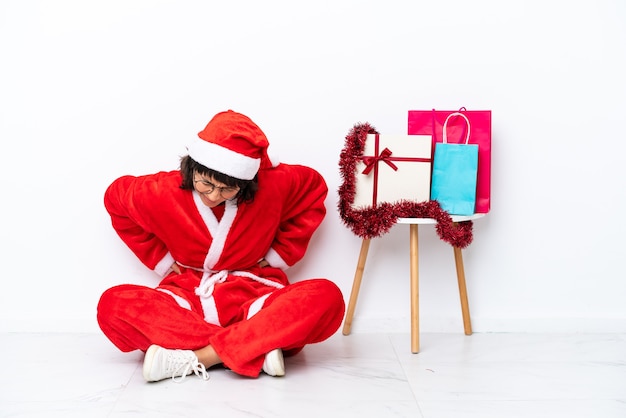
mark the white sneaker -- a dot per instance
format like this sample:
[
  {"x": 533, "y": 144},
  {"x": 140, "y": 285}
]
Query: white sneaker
[
  {"x": 161, "y": 363},
  {"x": 274, "y": 363}
]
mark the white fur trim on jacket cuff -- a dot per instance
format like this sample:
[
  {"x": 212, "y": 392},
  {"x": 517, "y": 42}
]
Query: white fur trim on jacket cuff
[
  {"x": 164, "y": 265},
  {"x": 275, "y": 260}
]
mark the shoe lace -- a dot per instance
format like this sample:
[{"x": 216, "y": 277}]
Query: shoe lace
[{"x": 180, "y": 365}]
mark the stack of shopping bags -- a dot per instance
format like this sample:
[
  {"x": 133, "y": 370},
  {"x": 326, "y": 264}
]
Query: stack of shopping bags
[{"x": 445, "y": 157}]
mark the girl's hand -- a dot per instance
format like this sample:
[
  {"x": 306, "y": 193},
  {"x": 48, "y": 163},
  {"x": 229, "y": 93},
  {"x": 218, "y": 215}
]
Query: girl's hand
[{"x": 175, "y": 268}]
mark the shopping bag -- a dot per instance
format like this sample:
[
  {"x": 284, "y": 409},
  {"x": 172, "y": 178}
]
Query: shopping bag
[
  {"x": 393, "y": 168},
  {"x": 430, "y": 122},
  {"x": 455, "y": 169}
]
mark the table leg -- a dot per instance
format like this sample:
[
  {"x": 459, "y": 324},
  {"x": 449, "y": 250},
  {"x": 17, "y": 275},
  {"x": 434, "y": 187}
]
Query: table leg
[
  {"x": 356, "y": 285},
  {"x": 460, "y": 273},
  {"x": 415, "y": 327}
]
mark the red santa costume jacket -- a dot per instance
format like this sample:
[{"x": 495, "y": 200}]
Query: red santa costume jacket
[{"x": 222, "y": 297}]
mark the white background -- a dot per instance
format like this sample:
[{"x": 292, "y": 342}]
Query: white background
[{"x": 91, "y": 90}]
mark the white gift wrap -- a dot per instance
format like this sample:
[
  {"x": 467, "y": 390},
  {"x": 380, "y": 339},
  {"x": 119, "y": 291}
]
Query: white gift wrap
[{"x": 411, "y": 181}]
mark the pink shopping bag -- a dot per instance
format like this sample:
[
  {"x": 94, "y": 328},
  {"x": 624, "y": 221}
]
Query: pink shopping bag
[{"x": 430, "y": 122}]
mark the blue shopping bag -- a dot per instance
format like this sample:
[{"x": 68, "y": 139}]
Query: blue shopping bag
[{"x": 455, "y": 169}]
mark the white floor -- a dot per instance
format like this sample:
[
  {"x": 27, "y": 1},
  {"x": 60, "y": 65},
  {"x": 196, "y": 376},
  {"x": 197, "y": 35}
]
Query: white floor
[{"x": 361, "y": 375}]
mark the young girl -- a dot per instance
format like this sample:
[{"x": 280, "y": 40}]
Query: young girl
[{"x": 221, "y": 231}]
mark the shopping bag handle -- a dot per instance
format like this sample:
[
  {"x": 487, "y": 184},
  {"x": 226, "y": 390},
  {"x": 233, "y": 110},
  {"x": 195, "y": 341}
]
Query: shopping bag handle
[{"x": 445, "y": 125}]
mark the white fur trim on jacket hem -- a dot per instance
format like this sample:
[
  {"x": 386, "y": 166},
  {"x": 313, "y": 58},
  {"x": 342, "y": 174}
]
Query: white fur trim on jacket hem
[
  {"x": 183, "y": 303},
  {"x": 209, "y": 309},
  {"x": 257, "y": 305}
]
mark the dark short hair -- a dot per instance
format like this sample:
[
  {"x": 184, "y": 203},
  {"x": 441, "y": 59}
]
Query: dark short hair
[{"x": 247, "y": 188}]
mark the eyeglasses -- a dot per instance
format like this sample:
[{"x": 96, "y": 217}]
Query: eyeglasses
[{"x": 206, "y": 188}]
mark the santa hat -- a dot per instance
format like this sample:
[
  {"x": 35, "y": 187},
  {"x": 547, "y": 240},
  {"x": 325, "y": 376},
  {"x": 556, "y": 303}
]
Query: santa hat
[{"x": 233, "y": 145}]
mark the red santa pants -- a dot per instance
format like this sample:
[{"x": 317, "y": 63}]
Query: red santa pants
[{"x": 310, "y": 311}]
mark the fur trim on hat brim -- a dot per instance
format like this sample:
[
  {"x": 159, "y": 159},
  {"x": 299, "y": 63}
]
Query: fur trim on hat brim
[{"x": 224, "y": 160}]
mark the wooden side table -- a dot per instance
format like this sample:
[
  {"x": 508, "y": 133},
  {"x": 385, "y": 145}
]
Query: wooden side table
[{"x": 414, "y": 257}]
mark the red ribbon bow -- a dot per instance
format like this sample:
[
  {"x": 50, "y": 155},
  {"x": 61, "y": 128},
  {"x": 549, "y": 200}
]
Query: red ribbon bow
[{"x": 370, "y": 162}]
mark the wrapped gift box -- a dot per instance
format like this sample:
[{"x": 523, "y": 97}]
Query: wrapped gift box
[{"x": 393, "y": 168}]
